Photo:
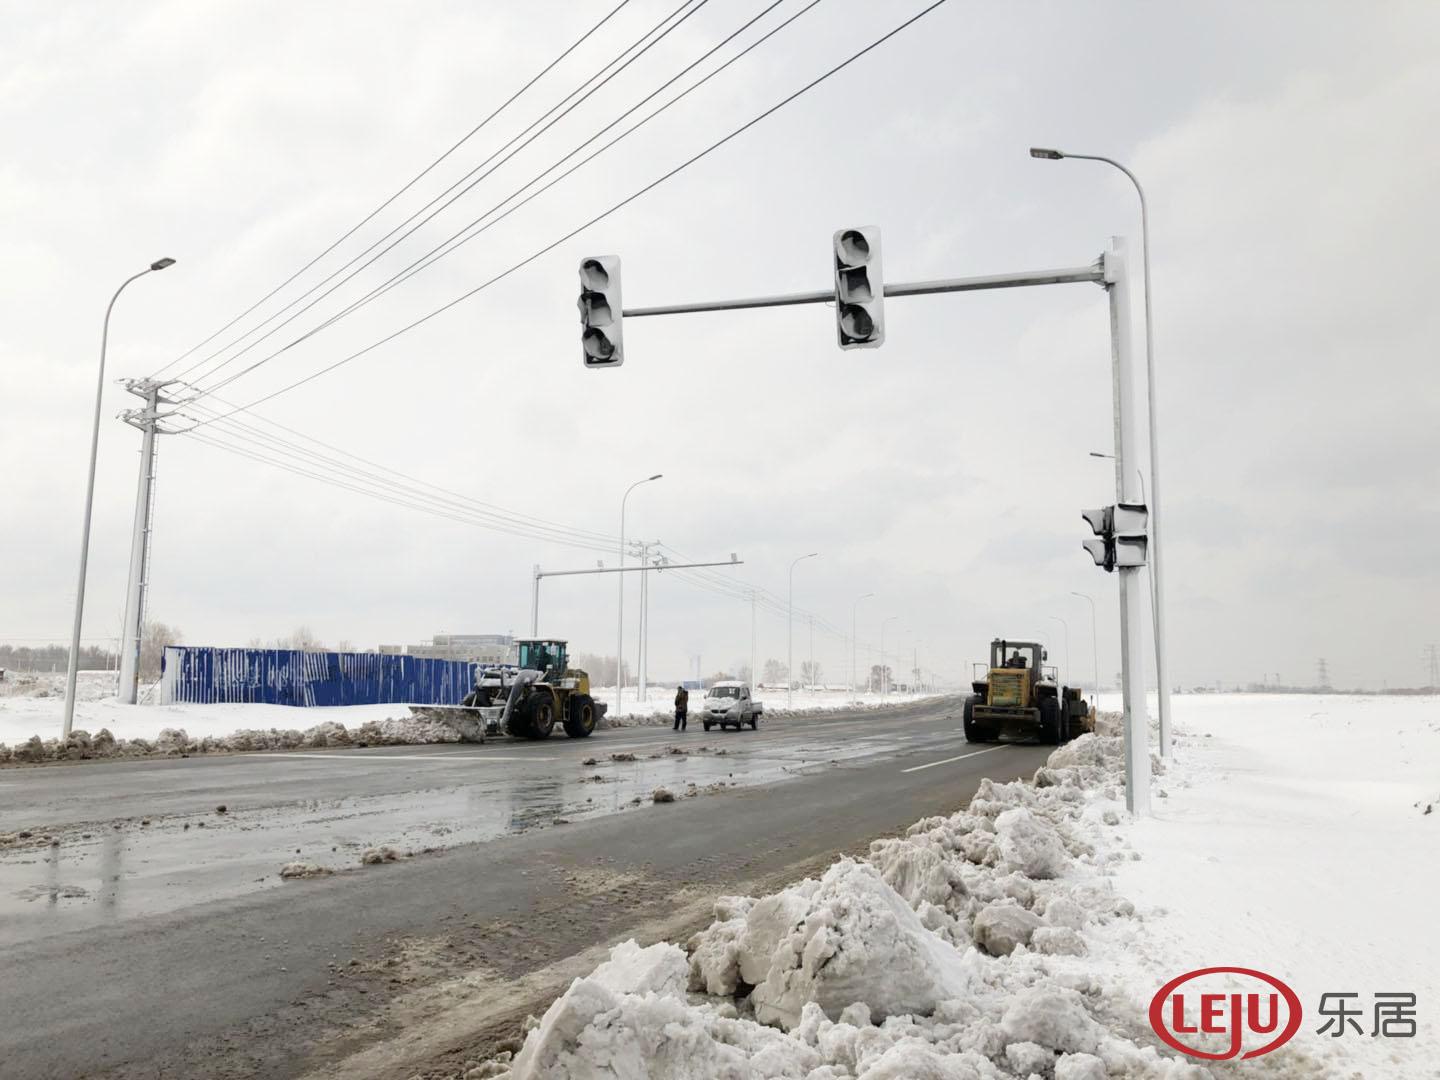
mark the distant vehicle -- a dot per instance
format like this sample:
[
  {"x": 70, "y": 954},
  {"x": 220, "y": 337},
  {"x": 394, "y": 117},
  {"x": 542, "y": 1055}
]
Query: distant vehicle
[
  {"x": 525, "y": 700},
  {"x": 1020, "y": 698},
  {"x": 729, "y": 704}
]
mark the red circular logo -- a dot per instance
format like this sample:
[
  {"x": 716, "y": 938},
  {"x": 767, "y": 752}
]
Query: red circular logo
[{"x": 1231, "y": 1014}]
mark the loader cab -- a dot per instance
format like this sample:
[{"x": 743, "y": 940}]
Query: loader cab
[
  {"x": 1016, "y": 655},
  {"x": 536, "y": 654}
]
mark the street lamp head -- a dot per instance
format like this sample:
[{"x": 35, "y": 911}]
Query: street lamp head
[
  {"x": 1097, "y": 453},
  {"x": 161, "y": 264},
  {"x": 657, "y": 476},
  {"x": 1048, "y": 155}
]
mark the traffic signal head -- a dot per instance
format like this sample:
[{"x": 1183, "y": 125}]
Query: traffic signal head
[
  {"x": 600, "y": 311},
  {"x": 1128, "y": 525},
  {"x": 1102, "y": 550},
  {"x": 859, "y": 288},
  {"x": 1120, "y": 530}
]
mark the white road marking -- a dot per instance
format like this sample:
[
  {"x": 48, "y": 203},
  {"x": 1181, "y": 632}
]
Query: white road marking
[
  {"x": 948, "y": 760},
  {"x": 369, "y": 759}
]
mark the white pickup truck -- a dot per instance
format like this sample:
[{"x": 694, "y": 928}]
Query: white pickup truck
[{"x": 729, "y": 704}]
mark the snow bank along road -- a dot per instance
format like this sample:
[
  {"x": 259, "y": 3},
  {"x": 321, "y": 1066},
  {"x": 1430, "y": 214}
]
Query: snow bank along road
[{"x": 155, "y": 938}]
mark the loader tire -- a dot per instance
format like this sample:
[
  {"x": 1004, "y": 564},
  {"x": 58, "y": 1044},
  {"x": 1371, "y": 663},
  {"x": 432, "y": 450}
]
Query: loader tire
[
  {"x": 581, "y": 721},
  {"x": 973, "y": 731},
  {"x": 537, "y": 717},
  {"x": 1050, "y": 721}
]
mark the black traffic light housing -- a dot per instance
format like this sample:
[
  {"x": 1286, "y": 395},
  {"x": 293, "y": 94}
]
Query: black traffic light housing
[
  {"x": 601, "y": 336},
  {"x": 859, "y": 288}
]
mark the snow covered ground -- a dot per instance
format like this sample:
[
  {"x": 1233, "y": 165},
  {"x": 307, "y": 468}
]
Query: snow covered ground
[
  {"x": 1026, "y": 936},
  {"x": 32, "y": 705},
  {"x": 1294, "y": 839}
]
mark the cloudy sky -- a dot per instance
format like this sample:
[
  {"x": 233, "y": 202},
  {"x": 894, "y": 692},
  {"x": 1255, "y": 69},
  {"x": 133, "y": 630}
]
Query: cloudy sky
[{"x": 1287, "y": 150}]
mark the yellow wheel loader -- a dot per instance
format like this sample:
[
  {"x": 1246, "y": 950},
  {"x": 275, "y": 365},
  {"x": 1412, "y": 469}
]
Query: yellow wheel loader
[
  {"x": 1020, "y": 698},
  {"x": 527, "y": 699}
]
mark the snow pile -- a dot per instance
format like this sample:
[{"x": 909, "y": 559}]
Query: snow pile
[
  {"x": 949, "y": 953},
  {"x": 80, "y": 745}
]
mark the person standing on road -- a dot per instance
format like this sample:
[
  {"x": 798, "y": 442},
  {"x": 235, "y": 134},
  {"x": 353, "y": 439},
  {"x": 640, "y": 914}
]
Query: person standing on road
[{"x": 682, "y": 706}]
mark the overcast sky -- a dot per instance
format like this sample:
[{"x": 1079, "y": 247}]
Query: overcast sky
[{"x": 1289, "y": 157}]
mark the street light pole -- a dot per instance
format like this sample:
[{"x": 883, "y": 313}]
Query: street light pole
[
  {"x": 854, "y": 609},
  {"x": 1094, "y": 643},
  {"x": 1162, "y": 668},
  {"x": 1066, "y": 625},
  {"x": 74, "y": 665},
  {"x": 620, "y": 603},
  {"x": 790, "y": 634}
]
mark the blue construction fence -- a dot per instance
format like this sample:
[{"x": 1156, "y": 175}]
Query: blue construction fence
[{"x": 295, "y": 677}]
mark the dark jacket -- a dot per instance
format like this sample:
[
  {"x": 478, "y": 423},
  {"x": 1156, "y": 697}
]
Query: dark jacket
[{"x": 682, "y": 700}]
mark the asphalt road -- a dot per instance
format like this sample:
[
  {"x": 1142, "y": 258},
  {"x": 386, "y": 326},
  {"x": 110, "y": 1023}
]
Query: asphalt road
[{"x": 156, "y": 938}]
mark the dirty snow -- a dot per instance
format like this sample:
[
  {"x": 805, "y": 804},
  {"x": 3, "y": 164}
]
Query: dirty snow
[
  {"x": 32, "y": 708},
  {"x": 1024, "y": 936}
]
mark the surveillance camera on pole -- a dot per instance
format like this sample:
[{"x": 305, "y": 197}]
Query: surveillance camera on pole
[
  {"x": 600, "y": 311},
  {"x": 859, "y": 288},
  {"x": 1120, "y": 541}
]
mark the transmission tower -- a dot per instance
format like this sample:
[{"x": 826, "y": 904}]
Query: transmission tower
[
  {"x": 1322, "y": 675},
  {"x": 1432, "y": 654}
]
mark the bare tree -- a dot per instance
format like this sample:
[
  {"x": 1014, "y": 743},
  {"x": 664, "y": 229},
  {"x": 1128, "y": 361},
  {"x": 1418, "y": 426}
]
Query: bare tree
[
  {"x": 810, "y": 672},
  {"x": 775, "y": 671},
  {"x": 154, "y": 636},
  {"x": 302, "y": 638}
]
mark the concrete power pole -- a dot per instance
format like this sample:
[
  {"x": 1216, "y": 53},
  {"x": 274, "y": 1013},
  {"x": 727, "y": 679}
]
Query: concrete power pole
[{"x": 141, "y": 534}]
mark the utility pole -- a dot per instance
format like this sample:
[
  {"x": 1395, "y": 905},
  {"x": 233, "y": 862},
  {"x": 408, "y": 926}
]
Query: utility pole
[
  {"x": 790, "y": 633},
  {"x": 1432, "y": 653},
  {"x": 855, "y": 607},
  {"x": 1322, "y": 675},
  {"x": 142, "y": 531},
  {"x": 643, "y": 550},
  {"x": 812, "y": 652},
  {"x": 753, "y": 677},
  {"x": 884, "y": 671},
  {"x": 620, "y": 603}
]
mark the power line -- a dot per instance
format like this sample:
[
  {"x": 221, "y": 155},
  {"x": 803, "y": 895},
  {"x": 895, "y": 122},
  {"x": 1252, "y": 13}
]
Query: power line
[
  {"x": 458, "y": 239},
  {"x": 552, "y": 121},
  {"x": 284, "y": 452},
  {"x": 406, "y": 187},
  {"x": 476, "y": 503},
  {"x": 423, "y": 506},
  {"x": 597, "y": 218}
]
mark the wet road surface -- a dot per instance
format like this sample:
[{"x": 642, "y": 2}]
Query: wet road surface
[{"x": 155, "y": 937}]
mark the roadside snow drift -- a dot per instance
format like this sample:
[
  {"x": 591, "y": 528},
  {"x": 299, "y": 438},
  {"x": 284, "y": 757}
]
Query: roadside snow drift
[
  {"x": 949, "y": 953},
  {"x": 986, "y": 945}
]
